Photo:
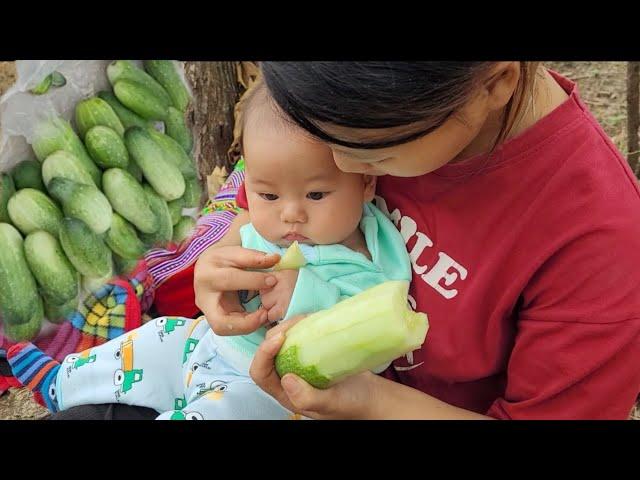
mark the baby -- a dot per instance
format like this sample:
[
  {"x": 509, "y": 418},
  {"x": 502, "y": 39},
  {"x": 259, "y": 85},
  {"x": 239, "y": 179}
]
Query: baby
[{"x": 179, "y": 366}]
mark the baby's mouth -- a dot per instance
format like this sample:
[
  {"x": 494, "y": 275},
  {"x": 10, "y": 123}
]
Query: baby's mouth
[{"x": 294, "y": 237}]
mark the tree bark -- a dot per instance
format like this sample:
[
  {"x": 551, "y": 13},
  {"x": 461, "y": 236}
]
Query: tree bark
[
  {"x": 211, "y": 115},
  {"x": 633, "y": 114}
]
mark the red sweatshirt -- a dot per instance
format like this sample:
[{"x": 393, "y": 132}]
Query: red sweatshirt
[{"x": 528, "y": 266}]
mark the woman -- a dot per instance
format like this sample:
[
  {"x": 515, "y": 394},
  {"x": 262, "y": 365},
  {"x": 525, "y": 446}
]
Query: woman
[{"x": 523, "y": 224}]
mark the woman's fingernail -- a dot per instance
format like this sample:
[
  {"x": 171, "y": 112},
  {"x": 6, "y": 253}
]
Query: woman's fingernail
[
  {"x": 291, "y": 384},
  {"x": 270, "y": 281}
]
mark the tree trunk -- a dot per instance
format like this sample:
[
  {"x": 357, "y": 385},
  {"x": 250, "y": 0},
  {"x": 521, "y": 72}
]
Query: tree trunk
[
  {"x": 633, "y": 114},
  {"x": 215, "y": 93}
]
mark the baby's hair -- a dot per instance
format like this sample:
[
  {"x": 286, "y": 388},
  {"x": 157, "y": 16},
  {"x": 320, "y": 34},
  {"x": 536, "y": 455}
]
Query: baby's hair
[
  {"x": 250, "y": 99},
  {"x": 257, "y": 108}
]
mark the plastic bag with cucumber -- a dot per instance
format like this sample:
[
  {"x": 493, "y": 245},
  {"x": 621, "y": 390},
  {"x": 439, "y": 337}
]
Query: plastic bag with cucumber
[{"x": 82, "y": 149}]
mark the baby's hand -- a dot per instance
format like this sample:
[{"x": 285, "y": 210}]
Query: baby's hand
[{"x": 277, "y": 298}]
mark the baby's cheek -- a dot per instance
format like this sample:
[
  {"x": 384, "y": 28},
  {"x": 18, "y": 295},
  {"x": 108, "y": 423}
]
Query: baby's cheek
[
  {"x": 265, "y": 224},
  {"x": 340, "y": 225}
]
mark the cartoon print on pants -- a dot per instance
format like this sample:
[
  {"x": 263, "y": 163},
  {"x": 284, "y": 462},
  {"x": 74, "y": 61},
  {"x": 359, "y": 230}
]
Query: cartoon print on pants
[
  {"x": 216, "y": 390},
  {"x": 180, "y": 415},
  {"x": 126, "y": 376},
  {"x": 179, "y": 403},
  {"x": 189, "y": 347},
  {"x": 168, "y": 325},
  {"x": 77, "y": 361},
  {"x": 193, "y": 370},
  {"x": 191, "y": 343}
]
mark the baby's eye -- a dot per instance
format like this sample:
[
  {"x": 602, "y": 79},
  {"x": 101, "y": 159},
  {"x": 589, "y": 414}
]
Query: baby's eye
[
  {"x": 316, "y": 195},
  {"x": 269, "y": 196}
]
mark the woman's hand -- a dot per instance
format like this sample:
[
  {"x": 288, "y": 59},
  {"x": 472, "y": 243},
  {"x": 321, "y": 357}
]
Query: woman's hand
[
  {"x": 360, "y": 397},
  {"x": 349, "y": 399},
  {"x": 220, "y": 272}
]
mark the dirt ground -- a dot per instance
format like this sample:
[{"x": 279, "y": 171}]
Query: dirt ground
[
  {"x": 7, "y": 75},
  {"x": 18, "y": 404},
  {"x": 602, "y": 86}
]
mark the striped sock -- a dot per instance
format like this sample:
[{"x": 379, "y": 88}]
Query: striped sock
[{"x": 36, "y": 371}]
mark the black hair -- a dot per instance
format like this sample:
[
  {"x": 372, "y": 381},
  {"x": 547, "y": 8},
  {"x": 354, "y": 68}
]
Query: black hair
[{"x": 379, "y": 95}]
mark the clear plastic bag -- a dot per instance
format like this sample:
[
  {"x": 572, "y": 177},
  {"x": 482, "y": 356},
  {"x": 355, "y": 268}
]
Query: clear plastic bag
[{"x": 21, "y": 110}]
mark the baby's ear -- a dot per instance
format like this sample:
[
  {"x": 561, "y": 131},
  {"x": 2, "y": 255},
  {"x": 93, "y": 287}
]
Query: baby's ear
[{"x": 369, "y": 187}]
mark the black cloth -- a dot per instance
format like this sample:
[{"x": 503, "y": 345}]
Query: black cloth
[{"x": 106, "y": 411}]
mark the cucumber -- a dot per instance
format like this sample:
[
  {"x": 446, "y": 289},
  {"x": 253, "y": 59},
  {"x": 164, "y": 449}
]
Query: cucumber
[
  {"x": 357, "y": 334},
  {"x": 129, "y": 200},
  {"x": 56, "y": 134},
  {"x": 106, "y": 147},
  {"x": 162, "y": 236},
  {"x": 166, "y": 73},
  {"x": 28, "y": 174},
  {"x": 51, "y": 268},
  {"x": 175, "y": 209},
  {"x": 174, "y": 153},
  {"x": 192, "y": 193},
  {"x": 60, "y": 313},
  {"x": 123, "y": 240},
  {"x": 20, "y": 304},
  {"x": 293, "y": 259},
  {"x": 31, "y": 210},
  {"x": 65, "y": 165},
  {"x": 90, "y": 284},
  {"x": 141, "y": 100},
  {"x": 177, "y": 129},
  {"x": 95, "y": 111},
  {"x": 124, "y": 266},
  {"x": 85, "y": 249},
  {"x": 84, "y": 202},
  {"x": 126, "y": 116},
  {"x": 183, "y": 229},
  {"x": 7, "y": 189},
  {"x": 127, "y": 70},
  {"x": 135, "y": 171},
  {"x": 22, "y": 332},
  {"x": 162, "y": 175}
]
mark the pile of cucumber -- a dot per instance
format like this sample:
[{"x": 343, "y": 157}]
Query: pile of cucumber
[{"x": 95, "y": 199}]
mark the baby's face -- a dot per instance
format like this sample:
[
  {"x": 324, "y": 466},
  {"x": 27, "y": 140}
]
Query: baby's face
[{"x": 296, "y": 192}]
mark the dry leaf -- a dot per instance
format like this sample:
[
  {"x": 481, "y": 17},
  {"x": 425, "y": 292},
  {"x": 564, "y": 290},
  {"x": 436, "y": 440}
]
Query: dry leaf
[
  {"x": 247, "y": 73},
  {"x": 234, "y": 151},
  {"x": 216, "y": 180}
]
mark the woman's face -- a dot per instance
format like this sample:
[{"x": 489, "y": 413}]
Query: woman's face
[{"x": 417, "y": 157}]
